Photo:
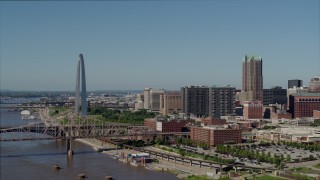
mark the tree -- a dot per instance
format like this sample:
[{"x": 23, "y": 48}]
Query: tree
[
  {"x": 158, "y": 140},
  {"x": 181, "y": 152},
  {"x": 288, "y": 158},
  {"x": 311, "y": 157}
]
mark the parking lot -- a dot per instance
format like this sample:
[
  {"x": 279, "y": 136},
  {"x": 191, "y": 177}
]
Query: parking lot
[
  {"x": 293, "y": 152},
  {"x": 272, "y": 149}
]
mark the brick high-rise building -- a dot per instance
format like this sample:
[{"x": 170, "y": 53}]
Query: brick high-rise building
[
  {"x": 252, "y": 79},
  {"x": 295, "y": 90},
  {"x": 165, "y": 125},
  {"x": 214, "y": 136},
  {"x": 303, "y": 104},
  {"x": 252, "y": 110},
  {"x": 172, "y": 126},
  {"x": 170, "y": 103}
]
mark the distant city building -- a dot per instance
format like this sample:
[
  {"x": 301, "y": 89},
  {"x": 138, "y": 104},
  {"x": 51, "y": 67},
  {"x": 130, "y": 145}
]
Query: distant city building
[
  {"x": 295, "y": 90},
  {"x": 170, "y": 103},
  {"x": 314, "y": 85},
  {"x": 221, "y": 101},
  {"x": 140, "y": 97},
  {"x": 295, "y": 82},
  {"x": 275, "y": 95},
  {"x": 146, "y": 94},
  {"x": 303, "y": 104},
  {"x": 152, "y": 99},
  {"x": 252, "y": 110},
  {"x": 252, "y": 79},
  {"x": 195, "y": 100},
  {"x": 155, "y": 99},
  {"x": 214, "y": 136},
  {"x": 139, "y": 104}
]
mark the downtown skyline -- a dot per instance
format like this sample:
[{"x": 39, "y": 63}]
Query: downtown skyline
[{"x": 158, "y": 44}]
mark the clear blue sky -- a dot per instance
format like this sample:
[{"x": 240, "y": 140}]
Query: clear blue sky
[{"x": 158, "y": 44}]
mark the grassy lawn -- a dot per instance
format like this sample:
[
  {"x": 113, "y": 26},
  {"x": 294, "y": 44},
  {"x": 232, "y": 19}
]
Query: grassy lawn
[
  {"x": 317, "y": 166},
  {"x": 194, "y": 177},
  {"x": 99, "y": 117},
  {"x": 266, "y": 177},
  {"x": 306, "y": 170},
  {"x": 269, "y": 178},
  {"x": 302, "y": 176},
  {"x": 302, "y": 169}
]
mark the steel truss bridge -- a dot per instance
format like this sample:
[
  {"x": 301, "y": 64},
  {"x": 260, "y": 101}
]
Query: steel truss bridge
[
  {"x": 77, "y": 127},
  {"x": 84, "y": 128}
]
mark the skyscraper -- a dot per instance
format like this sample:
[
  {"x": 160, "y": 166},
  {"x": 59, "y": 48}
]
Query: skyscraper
[
  {"x": 170, "y": 103},
  {"x": 83, "y": 88},
  {"x": 208, "y": 102},
  {"x": 221, "y": 101},
  {"x": 152, "y": 99},
  {"x": 155, "y": 99},
  {"x": 195, "y": 100},
  {"x": 146, "y": 94},
  {"x": 252, "y": 80}
]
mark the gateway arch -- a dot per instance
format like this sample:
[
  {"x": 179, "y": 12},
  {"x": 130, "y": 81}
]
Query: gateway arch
[{"x": 81, "y": 69}]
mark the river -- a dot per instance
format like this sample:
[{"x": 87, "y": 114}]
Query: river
[{"x": 35, "y": 159}]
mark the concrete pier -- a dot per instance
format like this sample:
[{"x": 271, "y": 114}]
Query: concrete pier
[{"x": 69, "y": 147}]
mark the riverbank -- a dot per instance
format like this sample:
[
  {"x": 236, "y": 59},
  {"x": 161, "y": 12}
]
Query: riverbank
[{"x": 181, "y": 170}]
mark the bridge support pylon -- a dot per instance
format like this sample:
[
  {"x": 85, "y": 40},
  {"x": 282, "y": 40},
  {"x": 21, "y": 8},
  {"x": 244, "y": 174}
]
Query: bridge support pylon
[{"x": 69, "y": 147}]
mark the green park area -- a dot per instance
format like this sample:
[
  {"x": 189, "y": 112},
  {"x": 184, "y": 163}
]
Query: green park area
[
  {"x": 101, "y": 115},
  {"x": 118, "y": 116}
]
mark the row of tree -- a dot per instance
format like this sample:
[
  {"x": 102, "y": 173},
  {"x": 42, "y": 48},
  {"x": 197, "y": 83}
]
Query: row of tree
[
  {"x": 183, "y": 152},
  {"x": 189, "y": 142},
  {"x": 310, "y": 147}
]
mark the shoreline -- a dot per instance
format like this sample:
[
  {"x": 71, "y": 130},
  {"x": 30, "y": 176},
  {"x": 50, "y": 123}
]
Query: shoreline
[{"x": 181, "y": 171}]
